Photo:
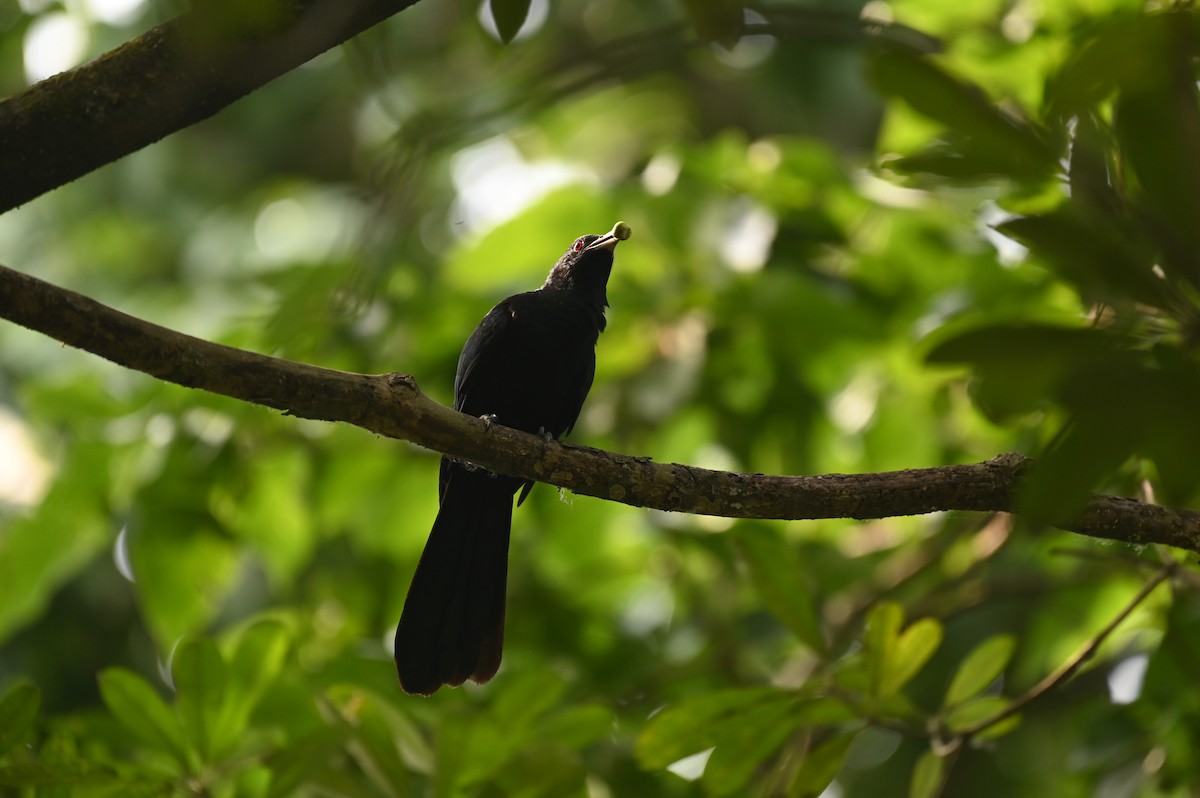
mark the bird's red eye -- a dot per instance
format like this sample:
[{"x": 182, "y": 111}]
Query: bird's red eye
[{"x": 578, "y": 245}]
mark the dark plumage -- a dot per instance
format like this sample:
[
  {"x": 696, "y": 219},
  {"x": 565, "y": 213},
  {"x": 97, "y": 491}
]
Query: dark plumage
[{"x": 529, "y": 363}]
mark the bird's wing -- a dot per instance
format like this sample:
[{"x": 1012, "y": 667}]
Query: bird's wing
[
  {"x": 475, "y": 382},
  {"x": 483, "y": 347},
  {"x": 582, "y": 384}
]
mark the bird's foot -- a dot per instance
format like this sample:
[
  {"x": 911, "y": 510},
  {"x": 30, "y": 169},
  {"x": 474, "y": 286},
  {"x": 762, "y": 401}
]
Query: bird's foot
[
  {"x": 488, "y": 420},
  {"x": 544, "y": 435}
]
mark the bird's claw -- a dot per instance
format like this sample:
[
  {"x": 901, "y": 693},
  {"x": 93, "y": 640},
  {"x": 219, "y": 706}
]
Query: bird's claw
[
  {"x": 544, "y": 434},
  {"x": 488, "y": 420}
]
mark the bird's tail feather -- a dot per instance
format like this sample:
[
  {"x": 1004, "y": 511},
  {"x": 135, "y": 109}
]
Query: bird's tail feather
[{"x": 452, "y": 626}]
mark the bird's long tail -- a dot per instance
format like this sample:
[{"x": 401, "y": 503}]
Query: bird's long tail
[{"x": 452, "y": 626}]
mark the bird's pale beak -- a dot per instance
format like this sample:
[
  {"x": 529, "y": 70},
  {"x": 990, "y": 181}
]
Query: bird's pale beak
[{"x": 609, "y": 240}]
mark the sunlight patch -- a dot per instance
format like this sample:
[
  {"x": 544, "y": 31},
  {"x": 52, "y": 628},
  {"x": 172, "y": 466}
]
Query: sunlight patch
[
  {"x": 24, "y": 472},
  {"x": 54, "y": 43},
  {"x": 495, "y": 183},
  {"x": 1125, "y": 680},
  {"x": 691, "y": 767},
  {"x": 539, "y": 10},
  {"x": 749, "y": 231},
  {"x": 114, "y": 12},
  {"x": 1008, "y": 251}
]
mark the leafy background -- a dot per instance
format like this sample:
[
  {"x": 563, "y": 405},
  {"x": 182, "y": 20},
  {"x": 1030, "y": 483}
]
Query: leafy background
[{"x": 856, "y": 247}]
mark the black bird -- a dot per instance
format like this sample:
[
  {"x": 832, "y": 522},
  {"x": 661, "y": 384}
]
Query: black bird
[{"x": 528, "y": 365}]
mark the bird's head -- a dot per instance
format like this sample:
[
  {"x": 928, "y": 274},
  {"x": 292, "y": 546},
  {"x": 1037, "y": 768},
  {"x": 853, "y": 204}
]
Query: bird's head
[{"x": 584, "y": 267}]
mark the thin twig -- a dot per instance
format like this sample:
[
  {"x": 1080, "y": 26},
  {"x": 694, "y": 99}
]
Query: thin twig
[{"x": 1068, "y": 668}]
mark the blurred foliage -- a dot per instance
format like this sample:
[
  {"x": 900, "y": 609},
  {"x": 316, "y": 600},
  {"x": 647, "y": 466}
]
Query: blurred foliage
[{"x": 832, "y": 216}]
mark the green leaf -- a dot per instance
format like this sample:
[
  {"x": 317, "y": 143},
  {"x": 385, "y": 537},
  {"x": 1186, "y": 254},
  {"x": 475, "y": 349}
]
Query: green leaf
[
  {"x": 19, "y": 708},
  {"x": 529, "y": 695},
  {"x": 1173, "y": 662},
  {"x": 1022, "y": 367},
  {"x": 182, "y": 568},
  {"x": 743, "y": 744},
  {"x": 375, "y": 750},
  {"x": 820, "y": 766},
  {"x": 454, "y": 755},
  {"x": 1155, "y": 119},
  {"x": 927, "y": 776},
  {"x": 291, "y": 766},
  {"x": 1092, "y": 253},
  {"x": 41, "y": 552},
  {"x": 913, "y": 649},
  {"x": 200, "y": 686},
  {"x": 486, "y": 748},
  {"x": 1115, "y": 403},
  {"x": 1000, "y": 728},
  {"x": 1169, "y": 394},
  {"x": 1102, "y": 434},
  {"x": 136, "y": 705},
  {"x": 275, "y": 513},
  {"x": 253, "y": 782},
  {"x": 689, "y": 727},
  {"x": 1008, "y": 343},
  {"x": 953, "y": 159},
  {"x": 882, "y": 634},
  {"x": 258, "y": 657},
  {"x": 980, "y": 668},
  {"x": 59, "y": 774},
  {"x": 354, "y": 702},
  {"x": 965, "y": 716},
  {"x": 577, "y": 726},
  {"x": 1092, "y": 168},
  {"x": 509, "y": 16},
  {"x": 892, "y": 657},
  {"x": 744, "y": 727},
  {"x": 1005, "y": 144},
  {"x": 1114, "y": 55},
  {"x": 777, "y": 576}
]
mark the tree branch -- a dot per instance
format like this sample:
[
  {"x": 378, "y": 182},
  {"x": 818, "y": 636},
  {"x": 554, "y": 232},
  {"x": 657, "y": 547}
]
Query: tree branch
[
  {"x": 393, "y": 405},
  {"x": 173, "y": 76}
]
